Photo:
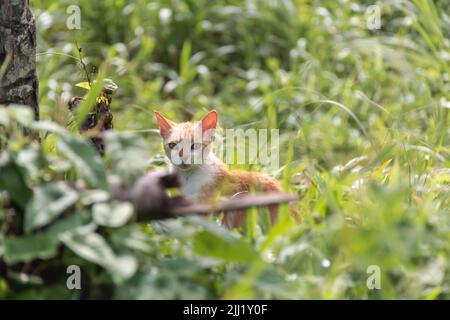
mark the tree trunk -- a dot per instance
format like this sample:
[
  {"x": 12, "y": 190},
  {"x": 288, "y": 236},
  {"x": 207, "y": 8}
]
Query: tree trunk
[{"x": 18, "y": 81}]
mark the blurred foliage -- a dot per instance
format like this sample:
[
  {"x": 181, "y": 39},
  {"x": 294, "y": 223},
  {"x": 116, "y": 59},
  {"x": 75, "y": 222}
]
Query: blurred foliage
[{"x": 364, "y": 138}]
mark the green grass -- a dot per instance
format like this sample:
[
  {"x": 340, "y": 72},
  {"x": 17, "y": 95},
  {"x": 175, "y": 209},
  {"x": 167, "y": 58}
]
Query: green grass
[{"x": 364, "y": 135}]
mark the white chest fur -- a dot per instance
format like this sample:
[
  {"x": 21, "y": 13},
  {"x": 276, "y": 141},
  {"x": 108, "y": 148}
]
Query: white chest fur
[{"x": 194, "y": 181}]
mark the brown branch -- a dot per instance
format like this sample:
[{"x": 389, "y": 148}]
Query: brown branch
[
  {"x": 152, "y": 202},
  {"x": 229, "y": 205}
]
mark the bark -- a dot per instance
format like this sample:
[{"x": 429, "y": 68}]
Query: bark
[{"x": 19, "y": 84}]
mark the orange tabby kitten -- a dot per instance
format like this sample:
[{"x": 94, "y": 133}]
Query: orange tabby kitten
[{"x": 203, "y": 176}]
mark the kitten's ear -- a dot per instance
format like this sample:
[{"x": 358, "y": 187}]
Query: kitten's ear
[
  {"x": 165, "y": 125},
  {"x": 209, "y": 121}
]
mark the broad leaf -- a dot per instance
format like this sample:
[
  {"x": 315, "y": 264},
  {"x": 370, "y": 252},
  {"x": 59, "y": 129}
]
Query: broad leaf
[
  {"x": 90, "y": 246},
  {"x": 133, "y": 237},
  {"x": 43, "y": 245},
  {"x": 28, "y": 248},
  {"x": 149, "y": 285},
  {"x": 20, "y": 113},
  {"x": 128, "y": 154},
  {"x": 223, "y": 246},
  {"x": 13, "y": 179},
  {"x": 93, "y": 247},
  {"x": 32, "y": 159},
  {"x": 114, "y": 214},
  {"x": 86, "y": 160},
  {"x": 47, "y": 203},
  {"x": 48, "y": 126}
]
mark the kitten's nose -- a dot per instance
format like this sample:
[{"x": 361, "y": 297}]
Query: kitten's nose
[{"x": 183, "y": 159}]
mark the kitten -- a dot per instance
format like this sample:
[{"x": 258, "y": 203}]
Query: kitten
[{"x": 203, "y": 176}]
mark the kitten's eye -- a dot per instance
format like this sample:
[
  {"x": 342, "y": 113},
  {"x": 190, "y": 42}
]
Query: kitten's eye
[
  {"x": 196, "y": 146},
  {"x": 172, "y": 145}
]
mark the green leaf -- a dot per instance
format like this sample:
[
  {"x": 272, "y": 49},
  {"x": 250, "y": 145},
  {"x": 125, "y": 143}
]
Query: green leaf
[
  {"x": 28, "y": 248},
  {"x": 47, "y": 203},
  {"x": 128, "y": 154},
  {"x": 149, "y": 286},
  {"x": 4, "y": 118},
  {"x": 32, "y": 159},
  {"x": 123, "y": 267},
  {"x": 69, "y": 223},
  {"x": 133, "y": 237},
  {"x": 43, "y": 245},
  {"x": 2, "y": 247},
  {"x": 184, "y": 59},
  {"x": 176, "y": 278},
  {"x": 86, "y": 160},
  {"x": 84, "y": 85},
  {"x": 56, "y": 291},
  {"x": 283, "y": 225},
  {"x": 3, "y": 289},
  {"x": 223, "y": 246},
  {"x": 13, "y": 179},
  {"x": 90, "y": 197},
  {"x": 93, "y": 247},
  {"x": 251, "y": 223},
  {"x": 89, "y": 101},
  {"x": 48, "y": 126},
  {"x": 114, "y": 214},
  {"x": 21, "y": 114}
]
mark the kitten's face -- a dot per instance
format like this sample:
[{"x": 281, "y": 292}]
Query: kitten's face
[{"x": 187, "y": 144}]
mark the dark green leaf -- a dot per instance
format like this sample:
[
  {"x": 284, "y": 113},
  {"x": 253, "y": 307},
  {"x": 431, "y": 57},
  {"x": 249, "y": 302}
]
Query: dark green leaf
[
  {"x": 13, "y": 179},
  {"x": 28, "y": 248},
  {"x": 224, "y": 247},
  {"x": 57, "y": 291},
  {"x": 43, "y": 245},
  {"x": 2, "y": 247}
]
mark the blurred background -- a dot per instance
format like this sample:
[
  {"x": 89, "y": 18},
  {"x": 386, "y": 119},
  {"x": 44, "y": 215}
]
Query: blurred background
[{"x": 311, "y": 68}]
